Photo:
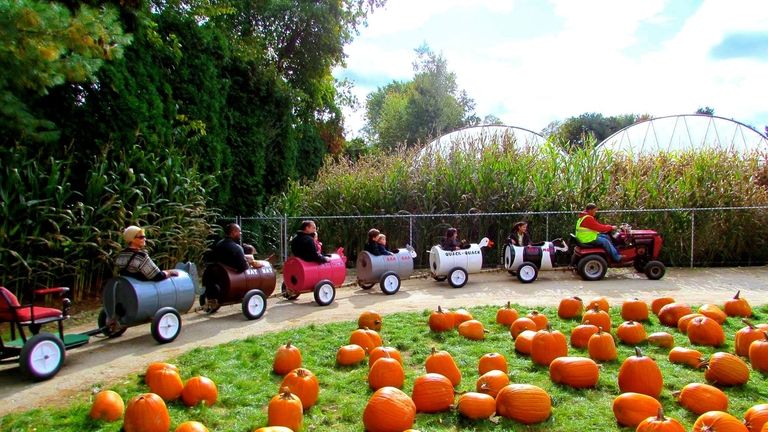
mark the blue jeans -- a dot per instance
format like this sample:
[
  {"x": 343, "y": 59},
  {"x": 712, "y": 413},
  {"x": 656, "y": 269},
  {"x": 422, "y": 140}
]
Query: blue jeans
[{"x": 605, "y": 242}]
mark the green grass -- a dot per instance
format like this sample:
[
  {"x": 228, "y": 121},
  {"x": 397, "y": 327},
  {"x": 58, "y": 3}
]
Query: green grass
[{"x": 242, "y": 370}]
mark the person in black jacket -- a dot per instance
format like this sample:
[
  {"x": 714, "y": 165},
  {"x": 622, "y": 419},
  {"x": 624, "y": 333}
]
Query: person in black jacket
[
  {"x": 519, "y": 235},
  {"x": 227, "y": 252},
  {"x": 372, "y": 246},
  {"x": 303, "y": 244}
]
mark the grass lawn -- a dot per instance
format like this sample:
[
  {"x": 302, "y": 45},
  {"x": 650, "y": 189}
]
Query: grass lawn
[{"x": 243, "y": 373}]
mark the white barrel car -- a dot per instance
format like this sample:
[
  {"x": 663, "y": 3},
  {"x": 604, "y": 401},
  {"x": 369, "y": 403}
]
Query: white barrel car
[
  {"x": 456, "y": 265},
  {"x": 526, "y": 261}
]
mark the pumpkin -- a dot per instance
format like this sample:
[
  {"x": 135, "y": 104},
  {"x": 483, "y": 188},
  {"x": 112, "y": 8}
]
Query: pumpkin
[
  {"x": 461, "y": 315},
  {"x": 199, "y": 389},
  {"x": 577, "y": 372},
  {"x": 285, "y": 409},
  {"x": 523, "y": 342},
  {"x": 441, "y": 362},
  {"x": 758, "y": 354},
  {"x": 600, "y": 303},
  {"x": 492, "y": 361},
  {"x": 570, "y": 308},
  {"x": 476, "y": 406},
  {"x": 155, "y": 367},
  {"x": 539, "y": 319},
  {"x": 661, "y": 339},
  {"x": 718, "y": 421},
  {"x": 108, "y": 406},
  {"x": 492, "y": 382},
  {"x": 386, "y": 372},
  {"x": 440, "y": 321},
  {"x": 671, "y": 313},
  {"x": 738, "y": 306},
  {"x": 601, "y": 347},
  {"x": 166, "y": 383},
  {"x": 287, "y": 358},
  {"x": 350, "y": 355},
  {"x": 699, "y": 398},
  {"x": 506, "y": 315},
  {"x": 383, "y": 351},
  {"x": 640, "y": 374},
  {"x": 191, "y": 426},
  {"x": 370, "y": 320},
  {"x": 705, "y": 331},
  {"x": 520, "y": 325},
  {"x": 634, "y": 310},
  {"x": 548, "y": 345},
  {"x": 597, "y": 317},
  {"x": 685, "y": 356},
  {"x": 524, "y": 403},
  {"x": 756, "y": 417},
  {"x": 146, "y": 413},
  {"x": 658, "y": 303},
  {"x": 389, "y": 410},
  {"x": 714, "y": 312},
  {"x": 631, "y": 333},
  {"x": 472, "y": 330},
  {"x": 682, "y": 323},
  {"x": 304, "y": 384},
  {"x": 273, "y": 429},
  {"x": 725, "y": 369},
  {"x": 581, "y": 333},
  {"x": 432, "y": 393},
  {"x": 746, "y": 335},
  {"x": 630, "y": 409},
  {"x": 366, "y": 338},
  {"x": 660, "y": 423}
]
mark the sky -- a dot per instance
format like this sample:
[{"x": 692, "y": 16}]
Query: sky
[{"x": 532, "y": 62}]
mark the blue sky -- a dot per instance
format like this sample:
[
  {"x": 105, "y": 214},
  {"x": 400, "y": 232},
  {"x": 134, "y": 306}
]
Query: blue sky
[{"x": 531, "y": 62}]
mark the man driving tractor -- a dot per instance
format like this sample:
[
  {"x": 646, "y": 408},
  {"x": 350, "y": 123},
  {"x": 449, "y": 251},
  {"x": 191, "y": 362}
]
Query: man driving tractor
[{"x": 591, "y": 232}]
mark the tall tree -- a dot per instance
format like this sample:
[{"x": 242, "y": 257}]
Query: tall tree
[{"x": 576, "y": 132}]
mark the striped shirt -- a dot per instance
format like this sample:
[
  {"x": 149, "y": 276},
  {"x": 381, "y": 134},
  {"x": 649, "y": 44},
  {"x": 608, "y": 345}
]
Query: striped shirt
[{"x": 137, "y": 264}]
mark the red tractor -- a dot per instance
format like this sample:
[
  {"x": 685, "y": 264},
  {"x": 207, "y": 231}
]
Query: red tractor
[{"x": 638, "y": 248}]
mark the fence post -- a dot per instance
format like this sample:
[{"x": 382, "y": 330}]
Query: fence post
[
  {"x": 693, "y": 227},
  {"x": 547, "y": 236},
  {"x": 410, "y": 231},
  {"x": 284, "y": 239}
]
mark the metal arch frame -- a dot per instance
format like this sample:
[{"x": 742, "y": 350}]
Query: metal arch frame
[{"x": 479, "y": 127}]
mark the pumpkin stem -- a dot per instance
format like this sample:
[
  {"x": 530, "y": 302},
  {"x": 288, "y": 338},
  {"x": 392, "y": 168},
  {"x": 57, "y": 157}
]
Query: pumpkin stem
[
  {"x": 676, "y": 394},
  {"x": 549, "y": 327},
  {"x": 749, "y": 323},
  {"x": 509, "y": 305},
  {"x": 288, "y": 344},
  {"x": 577, "y": 298},
  {"x": 638, "y": 352},
  {"x": 301, "y": 372},
  {"x": 766, "y": 335},
  {"x": 285, "y": 393},
  {"x": 439, "y": 309},
  {"x": 736, "y": 297},
  {"x": 660, "y": 415},
  {"x": 434, "y": 350}
]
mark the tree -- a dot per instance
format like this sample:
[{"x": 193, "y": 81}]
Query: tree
[
  {"x": 578, "y": 131},
  {"x": 491, "y": 119},
  {"x": 706, "y": 111}
]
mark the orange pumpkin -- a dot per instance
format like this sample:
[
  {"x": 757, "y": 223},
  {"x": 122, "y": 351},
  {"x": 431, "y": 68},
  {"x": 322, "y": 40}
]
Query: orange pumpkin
[
  {"x": 146, "y": 413},
  {"x": 640, "y": 374},
  {"x": 383, "y": 351},
  {"x": 191, "y": 426},
  {"x": 631, "y": 333},
  {"x": 758, "y": 354},
  {"x": 441, "y": 362},
  {"x": 366, "y": 338},
  {"x": 570, "y": 307},
  {"x": 714, "y": 312},
  {"x": 756, "y": 418},
  {"x": 506, "y": 315},
  {"x": 548, "y": 345},
  {"x": 661, "y": 339},
  {"x": 199, "y": 389},
  {"x": 386, "y": 372},
  {"x": 389, "y": 409},
  {"x": 738, "y": 306},
  {"x": 285, "y": 409},
  {"x": 600, "y": 303},
  {"x": 432, "y": 393},
  {"x": 476, "y": 406},
  {"x": 634, "y": 310},
  {"x": 304, "y": 384},
  {"x": 660, "y": 423},
  {"x": 581, "y": 333},
  {"x": 520, "y": 325},
  {"x": 440, "y": 320},
  {"x": 577, "y": 372},
  {"x": 287, "y": 358},
  {"x": 155, "y": 367},
  {"x": 492, "y": 361},
  {"x": 597, "y": 317},
  {"x": 717, "y": 421},
  {"x": 492, "y": 382},
  {"x": 524, "y": 341},
  {"x": 539, "y": 319},
  {"x": 725, "y": 369},
  {"x": 659, "y": 303},
  {"x": 107, "y": 406},
  {"x": 682, "y": 323},
  {"x": 601, "y": 347},
  {"x": 350, "y": 355},
  {"x": 472, "y": 330},
  {"x": 746, "y": 335},
  {"x": 525, "y": 403},
  {"x": 685, "y": 356},
  {"x": 461, "y": 315},
  {"x": 671, "y": 313},
  {"x": 699, "y": 398},
  {"x": 273, "y": 429},
  {"x": 166, "y": 383},
  {"x": 370, "y": 320},
  {"x": 630, "y": 409},
  {"x": 705, "y": 331}
]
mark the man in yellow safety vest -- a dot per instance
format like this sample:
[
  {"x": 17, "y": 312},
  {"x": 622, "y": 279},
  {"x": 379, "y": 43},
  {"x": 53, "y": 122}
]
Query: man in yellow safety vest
[{"x": 591, "y": 232}]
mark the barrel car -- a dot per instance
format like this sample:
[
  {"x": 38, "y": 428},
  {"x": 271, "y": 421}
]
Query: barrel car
[
  {"x": 249, "y": 288},
  {"x": 386, "y": 270},
  {"x": 301, "y": 276},
  {"x": 526, "y": 261},
  {"x": 457, "y": 265}
]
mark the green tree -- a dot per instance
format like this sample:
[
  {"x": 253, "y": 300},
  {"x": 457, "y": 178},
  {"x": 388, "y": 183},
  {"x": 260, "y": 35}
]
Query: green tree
[
  {"x": 706, "y": 111},
  {"x": 577, "y": 132}
]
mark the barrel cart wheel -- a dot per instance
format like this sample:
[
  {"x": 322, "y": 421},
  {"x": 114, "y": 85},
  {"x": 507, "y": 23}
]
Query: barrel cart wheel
[
  {"x": 324, "y": 292},
  {"x": 287, "y": 294},
  {"x": 42, "y": 356},
  {"x": 508, "y": 258},
  {"x": 439, "y": 278},
  {"x": 366, "y": 285},
  {"x": 592, "y": 267},
  {"x": 254, "y": 304},
  {"x": 166, "y": 325},
  {"x": 654, "y": 270},
  {"x": 457, "y": 277},
  {"x": 110, "y": 331},
  {"x": 390, "y": 283},
  {"x": 527, "y": 272}
]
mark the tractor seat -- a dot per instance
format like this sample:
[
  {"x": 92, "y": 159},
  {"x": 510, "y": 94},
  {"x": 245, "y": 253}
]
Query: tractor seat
[
  {"x": 12, "y": 311},
  {"x": 578, "y": 243}
]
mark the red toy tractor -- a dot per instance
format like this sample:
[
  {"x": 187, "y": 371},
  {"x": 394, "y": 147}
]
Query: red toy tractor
[{"x": 638, "y": 248}]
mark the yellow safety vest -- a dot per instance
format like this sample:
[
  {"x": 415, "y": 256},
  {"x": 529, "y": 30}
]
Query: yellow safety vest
[{"x": 584, "y": 235}]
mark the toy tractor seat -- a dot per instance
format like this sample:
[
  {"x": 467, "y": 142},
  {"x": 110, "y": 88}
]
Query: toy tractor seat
[{"x": 13, "y": 312}]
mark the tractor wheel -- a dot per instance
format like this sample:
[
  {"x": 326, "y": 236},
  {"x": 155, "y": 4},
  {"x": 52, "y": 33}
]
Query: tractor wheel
[
  {"x": 655, "y": 270},
  {"x": 592, "y": 267}
]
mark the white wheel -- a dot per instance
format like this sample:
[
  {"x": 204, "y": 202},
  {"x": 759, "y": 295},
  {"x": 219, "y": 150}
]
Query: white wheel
[
  {"x": 457, "y": 277},
  {"x": 254, "y": 304},
  {"x": 166, "y": 325},
  {"x": 324, "y": 293},
  {"x": 390, "y": 283},
  {"x": 42, "y": 356},
  {"x": 509, "y": 256},
  {"x": 527, "y": 272}
]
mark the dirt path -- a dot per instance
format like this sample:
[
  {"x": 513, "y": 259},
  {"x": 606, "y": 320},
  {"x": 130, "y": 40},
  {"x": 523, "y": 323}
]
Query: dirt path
[{"x": 104, "y": 362}]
